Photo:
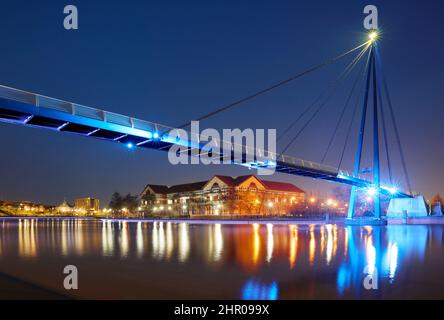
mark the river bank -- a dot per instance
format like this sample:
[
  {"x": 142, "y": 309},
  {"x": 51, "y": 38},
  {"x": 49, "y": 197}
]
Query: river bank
[{"x": 229, "y": 220}]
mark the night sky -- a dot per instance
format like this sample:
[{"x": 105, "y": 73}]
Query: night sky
[{"x": 171, "y": 61}]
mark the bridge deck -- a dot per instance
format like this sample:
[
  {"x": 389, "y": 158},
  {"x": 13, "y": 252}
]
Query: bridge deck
[{"x": 29, "y": 109}]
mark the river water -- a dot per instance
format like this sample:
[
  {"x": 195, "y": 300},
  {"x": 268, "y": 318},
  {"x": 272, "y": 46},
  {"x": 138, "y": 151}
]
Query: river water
[{"x": 166, "y": 260}]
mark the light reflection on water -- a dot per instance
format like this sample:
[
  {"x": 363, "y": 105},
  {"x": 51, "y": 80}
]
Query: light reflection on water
[{"x": 234, "y": 261}]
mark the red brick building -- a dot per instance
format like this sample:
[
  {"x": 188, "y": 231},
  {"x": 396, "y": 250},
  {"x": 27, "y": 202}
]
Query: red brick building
[{"x": 223, "y": 195}]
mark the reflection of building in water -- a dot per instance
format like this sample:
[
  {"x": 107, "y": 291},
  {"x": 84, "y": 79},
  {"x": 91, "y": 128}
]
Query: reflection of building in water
[
  {"x": 107, "y": 238},
  {"x": 293, "y": 249},
  {"x": 184, "y": 242},
  {"x": 157, "y": 241},
  {"x": 27, "y": 237},
  {"x": 312, "y": 245},
  {"x": 164, "y": 238},
  {"x": 124, "y": 238},
  {"x": 169, "y": 240},
  {"x": 330, "y": 243},
  {"x": 254, "y": 245},
  {"x": 250, "y": 246},
  {"x": 247, "y": 246},
  {"x": 223, "y": 195},
  {"x": 139, "y": 239},
  {"x": 270, "y": 242},
  {"x": 255, "y": 290},
  {"x": 215, "y": 242}
]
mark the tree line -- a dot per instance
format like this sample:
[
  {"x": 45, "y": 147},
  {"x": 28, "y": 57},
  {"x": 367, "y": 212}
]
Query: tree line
[{"x": 119, "y": 202}]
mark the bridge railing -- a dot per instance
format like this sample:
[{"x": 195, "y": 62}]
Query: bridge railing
[{"x": 43, "y": 101}]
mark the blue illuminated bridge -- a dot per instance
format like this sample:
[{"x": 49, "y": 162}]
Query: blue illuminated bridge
[
  {"x": 34, "y": 110},
  {"x": 29, "y": 109}
]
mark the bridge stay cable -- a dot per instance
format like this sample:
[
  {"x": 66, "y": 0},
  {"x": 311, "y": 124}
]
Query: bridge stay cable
[
  {"x": 393, "y": 120},
  {"x": 358, "y": 98},
  {"x": 341, "y": 77},
  {"x": 274, "y": 86},
  {"x": 384, "y": 127},
  {"x": 310, "y": 107},
  {"x": 344, "y": 109}
]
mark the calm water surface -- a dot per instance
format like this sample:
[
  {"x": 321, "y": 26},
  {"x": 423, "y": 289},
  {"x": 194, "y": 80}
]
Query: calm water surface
[{"x": 141, "y": 260}]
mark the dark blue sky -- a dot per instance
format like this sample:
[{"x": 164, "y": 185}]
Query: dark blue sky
[{"x": 170, "y": 61}]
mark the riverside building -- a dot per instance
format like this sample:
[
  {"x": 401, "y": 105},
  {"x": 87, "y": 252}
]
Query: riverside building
[{"x": 223, "y": 195}]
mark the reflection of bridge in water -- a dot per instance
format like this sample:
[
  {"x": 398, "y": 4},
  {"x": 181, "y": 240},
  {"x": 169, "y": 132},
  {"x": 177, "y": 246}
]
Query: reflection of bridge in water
[{"x": 36, "y": 110}]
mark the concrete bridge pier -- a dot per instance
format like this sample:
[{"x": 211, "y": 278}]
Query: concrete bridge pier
[{"x": 402, "y": 208}]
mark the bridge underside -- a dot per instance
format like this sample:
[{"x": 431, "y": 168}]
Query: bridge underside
[{"x": 33, "y": 110}]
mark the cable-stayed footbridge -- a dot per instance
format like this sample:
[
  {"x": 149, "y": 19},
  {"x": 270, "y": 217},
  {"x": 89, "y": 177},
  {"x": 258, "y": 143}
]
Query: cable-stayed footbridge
[{"x": 35, "y": 110}]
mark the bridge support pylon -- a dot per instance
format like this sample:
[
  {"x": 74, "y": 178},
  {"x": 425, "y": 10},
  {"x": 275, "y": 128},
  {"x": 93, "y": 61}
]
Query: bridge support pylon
[{"x": 351, "y": 215}]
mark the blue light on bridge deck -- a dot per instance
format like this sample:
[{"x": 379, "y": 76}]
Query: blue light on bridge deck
[
  {"x": 392, "y": 189},
  {"x": 129, "y": 145},
  {"x": 156, "y": 135},
  {"x": 372, "y": 191}
]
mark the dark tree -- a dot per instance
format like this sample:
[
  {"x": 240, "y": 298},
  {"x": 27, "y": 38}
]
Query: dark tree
[
  {"x": 130, "y": 202},
  {"x": 116, "y": 202}
]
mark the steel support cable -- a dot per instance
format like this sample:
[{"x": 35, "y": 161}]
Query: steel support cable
[
  {"x": 343, "y": 75},
  {"x": 354, "y": 112},
  {"x": 293, "y": 123},
  {"x": 395, "y": 126},
  {"x": 279, "y": 84},
  {"x": 344, "y": 109}
]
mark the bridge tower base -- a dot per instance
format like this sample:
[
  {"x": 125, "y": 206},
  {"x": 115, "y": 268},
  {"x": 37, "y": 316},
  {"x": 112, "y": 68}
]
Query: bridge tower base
[{"x": 407, "y": 208}]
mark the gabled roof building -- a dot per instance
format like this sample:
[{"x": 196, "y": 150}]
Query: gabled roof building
[{"x": 223, "y": 195}]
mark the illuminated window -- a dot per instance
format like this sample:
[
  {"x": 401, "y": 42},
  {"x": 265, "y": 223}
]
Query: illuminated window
[{"x": 252, "y": 187}]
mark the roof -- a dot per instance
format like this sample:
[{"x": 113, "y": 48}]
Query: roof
[
  {"x": 158, "y": 188},
  {"x": 187, "y": 187},
  {"x": 232, "y": 182},
  {"x": 281, "y": 186},
  {"x": 229, "y": 181}
]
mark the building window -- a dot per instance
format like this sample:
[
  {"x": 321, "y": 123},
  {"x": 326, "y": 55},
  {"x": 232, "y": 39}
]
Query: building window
[{"x": 215, "y": 187}]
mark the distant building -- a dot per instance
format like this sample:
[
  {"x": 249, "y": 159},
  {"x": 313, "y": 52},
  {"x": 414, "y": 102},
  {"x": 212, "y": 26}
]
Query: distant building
[
  {"x": 64, "y": 208},
  {"x": 24, "y": 207},
  {"x": 223, "y": 195},
  {"x": 87, "y": 205}
]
